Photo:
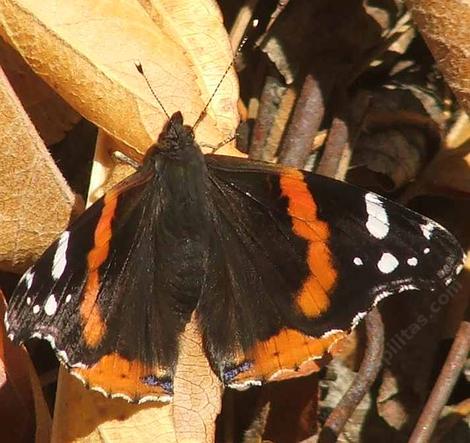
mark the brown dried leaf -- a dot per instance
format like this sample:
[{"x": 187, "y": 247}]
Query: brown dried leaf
[
  {"x": 444, "y": 26},
  {"x": 389, "y": 406},
  {"x": 35, "y": 201},
  {"x": 459, "y": 133},
  {"x": 450, "y": 170},
  {"x": 24, "y": 415},
  {"x": 399, "y": 138},
  {"x": 280, "y": 123},
  {"x": 293, "y": 406},
  {"x": 50, "y": 114},
  {"x": 448, "y": 173},
  {"x": 87, "y": 53},
  {"x": 335, "y": 35}
]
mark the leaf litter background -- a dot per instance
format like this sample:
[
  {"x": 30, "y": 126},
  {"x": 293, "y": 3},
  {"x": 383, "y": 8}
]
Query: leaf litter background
[{"x": 374, "y": 92}]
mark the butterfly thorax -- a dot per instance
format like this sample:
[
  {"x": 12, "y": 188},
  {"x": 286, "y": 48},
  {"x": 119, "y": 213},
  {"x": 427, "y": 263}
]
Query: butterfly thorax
[{"x": 184, "y": 221}]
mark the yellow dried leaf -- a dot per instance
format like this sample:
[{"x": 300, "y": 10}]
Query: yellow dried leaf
[
  {"x": 50, "y": 114},
  {"x": 87, "y": 51},
  {"x": 35, "y": 201}
]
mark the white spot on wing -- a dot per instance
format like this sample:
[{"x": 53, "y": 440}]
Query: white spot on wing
[
  {"x": 28, "y": 301},
  {"x": 127, "y": 398},
  {"x": 60, "y": 259},
  {"x": 413, "y": 261},
  {"x": 377, "y": 222},
  {"x": 358, "y": 261},
  {"x": 387, "y": 263},
  {"x": 245, "y": 385},
  {"x": 68, "y": 298},
  {"x": 36, "y": 309},
  {"x": 102, "y": 391},
  {"x": 50, "y": 307},
  {"x": 80, "y": 365},
  {"x": 381, "y": 296},
  {"x": 162, "y": 398},
  {"x": 357, "y": 319},
  {"x": 332, "y": 332},
  {"x": 427, "y": 229},
  {"x": 51, "y": 340},
  {"x": 62, "y": 356},
  {"x": 28, "y": 278},
  {"x": 408, "y": 287},
  {"x": 426, "y": 250}
]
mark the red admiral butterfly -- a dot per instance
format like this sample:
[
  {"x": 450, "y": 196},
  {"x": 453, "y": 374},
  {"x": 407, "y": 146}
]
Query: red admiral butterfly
[{"x": 276, "y": 265}]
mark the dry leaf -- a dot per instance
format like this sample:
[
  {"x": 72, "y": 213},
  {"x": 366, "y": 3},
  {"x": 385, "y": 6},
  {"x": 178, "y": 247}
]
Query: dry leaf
[
  {"x": 398, "y": 139},
  {"x": 50, "y": 114},
  {"x": 334, "y": 35},
  {"x": 448, "y": 173},
  {"x": 87, "y": 53},
  {"x": 445, "y": 28},
  {"x": 35, "y": 201},
  {"x": 293, "y": 409}
]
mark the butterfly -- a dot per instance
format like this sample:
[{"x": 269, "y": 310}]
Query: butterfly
[{"x": 276, "y": 266}]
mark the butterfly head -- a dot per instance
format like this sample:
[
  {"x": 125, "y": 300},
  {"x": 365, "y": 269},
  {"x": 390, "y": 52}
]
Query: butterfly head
[{"x": 176, "y": 141}]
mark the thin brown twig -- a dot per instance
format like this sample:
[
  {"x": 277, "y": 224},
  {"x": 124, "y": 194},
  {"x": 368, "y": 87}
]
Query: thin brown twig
[
  {"x": 268, "y": 106},
  {"x": 281, "y": 5},
  {"x": 445, "y": 382},
  {"x": 342, "y": 136},
  {"x": 337, "y": 151},
  {"x": 370, "y": 366},
  {"x": 305, "y": 122}
]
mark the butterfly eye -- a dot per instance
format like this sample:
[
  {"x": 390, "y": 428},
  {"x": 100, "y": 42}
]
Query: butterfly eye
[{"x": 188, "y": 131}]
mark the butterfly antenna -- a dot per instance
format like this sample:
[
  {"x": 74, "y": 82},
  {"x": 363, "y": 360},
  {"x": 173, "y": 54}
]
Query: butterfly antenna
[
  {"x": 139, "y": 67},
  {"x": 203, "y": 112}
]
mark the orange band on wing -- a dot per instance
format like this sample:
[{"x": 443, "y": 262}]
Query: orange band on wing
[
  {"x": 117, "y": 375},
  {"x": 94, "y": 327},
  {"x": 288, "y": 354},
  {"x": 313, "y": 298}
]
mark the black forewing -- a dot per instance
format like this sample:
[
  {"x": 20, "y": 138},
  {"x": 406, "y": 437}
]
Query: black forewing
[
  {"x": 141, "y": 315},
  {"x": 260, "y": 264},
  {"x": 26, "y": 316}
]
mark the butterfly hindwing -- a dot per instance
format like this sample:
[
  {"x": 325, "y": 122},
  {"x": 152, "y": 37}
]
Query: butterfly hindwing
[{"x": 301, "y": 259}]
